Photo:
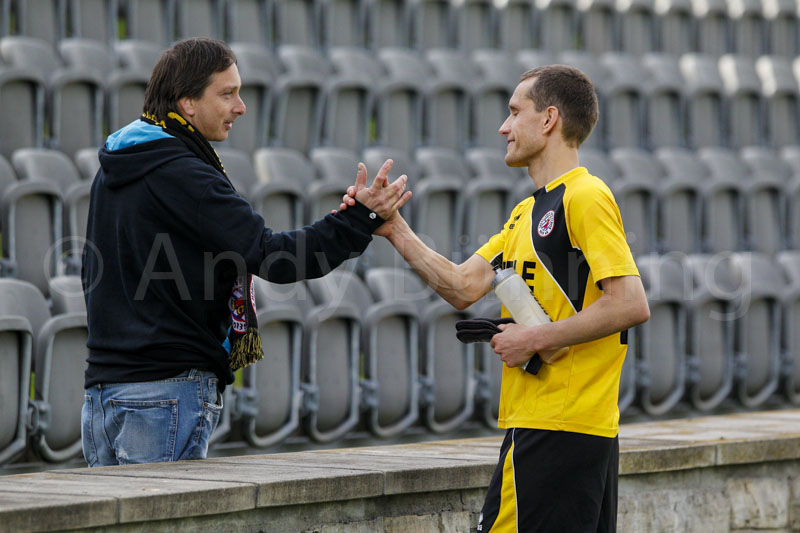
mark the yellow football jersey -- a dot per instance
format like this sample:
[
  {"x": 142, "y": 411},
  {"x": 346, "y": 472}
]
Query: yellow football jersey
[{"x": 563, "y": 241}]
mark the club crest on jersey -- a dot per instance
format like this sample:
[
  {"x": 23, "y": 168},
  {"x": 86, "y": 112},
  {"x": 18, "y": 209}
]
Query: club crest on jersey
[{"x": 546, "y": 224}]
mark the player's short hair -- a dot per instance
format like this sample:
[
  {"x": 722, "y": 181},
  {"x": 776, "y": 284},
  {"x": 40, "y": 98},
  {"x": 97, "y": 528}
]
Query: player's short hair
[
  {"x": 571, "y": 92},
  {"x": 184, "y": 71}
]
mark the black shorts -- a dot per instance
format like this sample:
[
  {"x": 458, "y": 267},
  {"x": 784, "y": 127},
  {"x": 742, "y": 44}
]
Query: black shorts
[{"x": 553, "y": 481}]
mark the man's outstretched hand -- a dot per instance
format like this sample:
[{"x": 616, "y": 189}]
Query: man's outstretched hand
[{"x": 381, "y": 197}]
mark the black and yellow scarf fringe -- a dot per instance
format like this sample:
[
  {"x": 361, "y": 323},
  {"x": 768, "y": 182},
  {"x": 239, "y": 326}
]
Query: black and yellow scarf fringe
[{"x": 245, "y": 342}]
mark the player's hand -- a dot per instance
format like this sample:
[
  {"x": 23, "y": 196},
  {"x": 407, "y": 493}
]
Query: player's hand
[
  {"x": 512, "y": 344},
  {"x": 382, "y": 197}
]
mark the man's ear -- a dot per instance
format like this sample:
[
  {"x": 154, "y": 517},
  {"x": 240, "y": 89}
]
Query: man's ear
[
  {"x": 551, "y": 116},
  {"x": 186, "y": 106}
]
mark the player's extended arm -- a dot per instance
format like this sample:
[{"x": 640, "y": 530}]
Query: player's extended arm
[
  {"x": 461, "y": 285},
  {"x": 622, "y": 305}
]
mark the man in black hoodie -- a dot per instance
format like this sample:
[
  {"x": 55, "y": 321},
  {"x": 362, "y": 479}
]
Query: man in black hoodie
[{"x": 167, "y": 269}]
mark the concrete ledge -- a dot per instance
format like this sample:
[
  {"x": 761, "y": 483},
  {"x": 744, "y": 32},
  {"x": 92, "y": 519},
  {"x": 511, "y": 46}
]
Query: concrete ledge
[{"x": 393, "y": 488}]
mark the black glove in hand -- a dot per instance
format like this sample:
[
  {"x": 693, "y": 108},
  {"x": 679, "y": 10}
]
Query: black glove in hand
[{"x": 483, "y": 329}]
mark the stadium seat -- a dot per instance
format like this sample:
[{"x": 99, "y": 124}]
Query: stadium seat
[
  {"x": 746, "y": 124},
  {"x": 723, "y": 201},
  {"x": 599, "y": 76},
  {"x": 432, "y": 24},
  {"x": 93, "y": 19},
  {"x": 400, "y": 99},
  {"x": 475, "y": 25},
  {"x": 675, "y": 26},
  {"x": 661, "y": 364},
  {"x": 515, "y": 26},
  {"x": 783, "y": 28},
  {"x": 497, "y": 77},
  {"x": 598, "y": 23},
  {"x": 765, "y": 200},
  {"x": 636, "y": 192},
  {"x": 748, "y": 27},
  {"x": 250, "y": 21},
  {"x": 448, "y": 120},
  {"x": 390, "y": 346},
  {"x": 298, "y": 106},
  {"x": 712, "y": 27},
  {"x": 557, "y": 25},
  {"x": 87, "y": 162},
  {"x": 200, "y": 18},
  {"x": 343, "y": 23},
  {"x": 388, "y": 24},
  {"x": 349, "y": 98},
  {"x": 790, "y": 262},
  {"x": 42, "y": 19},
  {"x": 679, "y": 224},
  {"x": 711, "y": 320},
  {"x": 258, "y": 69},
  {"x": 285, "y": 176},
  {"x": 791, "y": 154},
  {"x": 138, "y": 56},
  {"x": 624, "y": 101},
  {"x": 59, "y": 363},
  {"x": 705, "y": 100},
  {"x": 16, "y": 349},
  {"x": 665, "y": 103},
  {"x": 271, "y": 398},
  {"x": 760, "y": 287},
  {"x": 489, "y": 366},
  {"x": 74, "y": 94},
  {"x": 150, "y": 20},
  {"x": 446, "y": 367},
  {"x": 781, "y": 97},
  {"x": 336, "y": 168},
  {"x": 296, "y": 23},
  {"x": 532, "y": 58},
  {"x": 488, "y": 197},
  {"x": 637, "y": 26},
  {"x": 22, "y": 108}
]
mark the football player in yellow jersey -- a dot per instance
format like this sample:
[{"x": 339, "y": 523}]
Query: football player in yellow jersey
[{"x": 558, "y": 465}]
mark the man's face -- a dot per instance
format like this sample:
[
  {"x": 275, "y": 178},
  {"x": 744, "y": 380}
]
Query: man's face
[
  {"x": 522, "y": 128},
  {"x": 218, "y": 107}
]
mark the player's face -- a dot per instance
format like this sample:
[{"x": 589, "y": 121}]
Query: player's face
[
  {"x": 521, "y": 128},
  {"x": 218, "y": 107}
]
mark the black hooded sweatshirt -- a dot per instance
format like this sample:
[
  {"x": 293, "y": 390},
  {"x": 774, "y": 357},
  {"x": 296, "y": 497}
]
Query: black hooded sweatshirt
[{"x": 156, "y": 282}]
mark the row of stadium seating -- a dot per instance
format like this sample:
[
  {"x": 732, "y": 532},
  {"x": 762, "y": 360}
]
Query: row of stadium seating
[
  {"x": 352, "y": 98},
  {"x": 751, "y": 27},
  {"x": 672, "y": 200},
  {"x": 345, "y": 353}
]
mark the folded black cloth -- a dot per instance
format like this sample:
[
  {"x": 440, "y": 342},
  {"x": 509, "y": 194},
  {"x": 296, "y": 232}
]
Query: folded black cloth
[{"x": 483, "y": 329}]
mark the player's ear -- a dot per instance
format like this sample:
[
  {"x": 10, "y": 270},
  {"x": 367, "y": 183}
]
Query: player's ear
[{"x": 550, "y": 118}]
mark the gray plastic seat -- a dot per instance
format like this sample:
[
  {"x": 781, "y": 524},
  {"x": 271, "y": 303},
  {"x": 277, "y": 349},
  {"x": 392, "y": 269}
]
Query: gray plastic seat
[
  {"x": 675, "y": 26},
  {"x": 93, "y": 19},
  {"x": 711, "y": 321},
  {"x": 390, "y": 344},
  {"x": 401, "y": 98},
  {"x": 432, "y": 24},
  {"x": 337, "y": 169},
  {"x": 637, "y": 26},
  {"x": 150, "y": 20},
  {"x": 489, "y": 366},
  {"x": 271, "y": 395},
  {"x": 296, "y": 23},
  {"x": 599, "y": 26},
  {"x": 349, "y": 98},
  {"x": 790, "y": 262},
  {"x": 74, "y": 95},
  {"x": 298, "y": 106},
  {"x": 250, "y": 21},
  {"x": 257, "y": 69},
  {"x": 781, "y": 97},
  {"x": 87, "y": 162},
  {"x": 748, "y": 27},
  {"x": 59, "y": 363},
  {"x": 624, "y": 92},
  {"x": 705, "y": 100},
  {"x": 446, "y": 367},
  {"x": 766, "y": 200},
  {"x": 746, "y": 123},
  {"x": 455, "y": 79},
  {"x": 791, "y": 154},
  {"x": 498, "y": 75},
  {"x": 138, "y": 55},
  {"x": 515, "y": 25},
  {"x": 343, "y": 22},
  {"x": 661, "y": 363},
  {"x": 680, "y": 201},
  {"x": 42, "y": 19},
  {"x": 285, "y": 177},
  {"x": 783, "y": 28},
  {"x": 665, "y": 102},
  {"x": 22, "y": 108},
  {"x": 712, "y": 27},
  {"x": 636, "y": 192},
  {"x": 199, "y": 18},
  {"x": 388, "y": 23},
  {"x": 599, "y": 76},
  {"x": 475, "y": 25},
  {"x": 723, "y": 201},
  {"x": 760, "y": 289},
  {"x": 557, "y": 25}
]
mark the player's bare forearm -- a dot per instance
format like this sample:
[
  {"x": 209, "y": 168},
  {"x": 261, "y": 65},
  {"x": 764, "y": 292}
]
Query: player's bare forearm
[
  {"x": 622, "y": 306},
  {"x": 460, "y": 285}
]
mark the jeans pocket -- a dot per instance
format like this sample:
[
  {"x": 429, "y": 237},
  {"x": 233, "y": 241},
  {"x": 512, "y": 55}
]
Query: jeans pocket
[
  {"x": 87, "y": 436},
  {"x": 147, "y": 430}
]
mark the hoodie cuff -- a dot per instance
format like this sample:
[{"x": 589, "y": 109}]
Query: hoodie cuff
[{"x": 362, "y": 218}]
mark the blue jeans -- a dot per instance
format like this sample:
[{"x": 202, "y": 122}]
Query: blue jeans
[{"x": 150, "y": 421}]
